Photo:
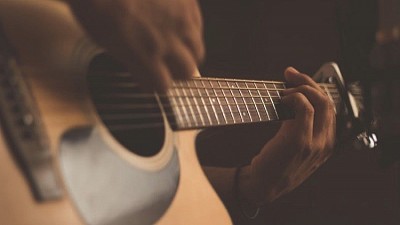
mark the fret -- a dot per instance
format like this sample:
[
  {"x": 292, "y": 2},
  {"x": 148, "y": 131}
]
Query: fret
[
  {"x": 254, "y": 101},
  {"x": 223, "y": 103},
  {"x": 203, "y": 102},
  {"x": 211, "y": 100},
  {"x": 205, "y": 108},
  {"x": 257, "y": 101},
  {"x": 227, "y": 103},
  {"x": 280, "y": 87},
  {"x": 214, "y": 84},
  {"x": 189, "y": 105},
  {"x": 194, "y": 98},
  {"x": 259, "y": 86},
  {"x": 271, "y": 100},
  {"x": 249, "y": 101},
  {"x": 235, "y": 100},
  {"x": 231, "y": 85},
  {"x": 193, "y": 116},
  {"x": 207, "y": 103},
  {"x": 182, "y": 105},
  {"x": 223, "y": 84},
  {"x": 180, "y": 118},
  {"x": 265, "y": 101},
  {"x": 244, "y": 101},
  {"x": 232, "y": 103}
]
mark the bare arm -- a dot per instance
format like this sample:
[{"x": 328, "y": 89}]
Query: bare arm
[{"x": 298, "y": 149}]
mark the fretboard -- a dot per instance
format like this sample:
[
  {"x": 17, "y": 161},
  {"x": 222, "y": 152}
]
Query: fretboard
[{"x": 205, "y": 102}]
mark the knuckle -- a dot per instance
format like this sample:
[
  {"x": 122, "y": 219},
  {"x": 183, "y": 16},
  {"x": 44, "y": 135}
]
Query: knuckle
[
  {"x": 324, "y": 102},
  {"x": 311, "y": 81},
  {"x": 201, "y": 52},
  {"x": 300, "y": 98},
  {"x": 331, "y": 107},
  {"x": 330, "y": 144},
  {"x": 308, "y": 109},
  {"x": 306, "y": 88},
  {"x": 306, "y": 153},
  {"x": 307, "y": 78},
  {"x": 149, "y": 43},
  {"x": 303, "y": 103},
  {"x": 304, "y": 144},
  {"x": 318, "y": 147}
]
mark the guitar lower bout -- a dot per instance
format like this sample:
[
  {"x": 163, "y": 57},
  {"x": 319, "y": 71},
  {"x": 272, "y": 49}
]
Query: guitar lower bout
[{"x": 109, "y": 187}]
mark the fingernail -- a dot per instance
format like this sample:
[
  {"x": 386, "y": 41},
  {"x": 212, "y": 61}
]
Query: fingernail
[{"x": 293, "y": 70}]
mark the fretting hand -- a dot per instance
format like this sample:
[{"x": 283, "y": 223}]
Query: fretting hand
[{"x": 300, "y": 146}]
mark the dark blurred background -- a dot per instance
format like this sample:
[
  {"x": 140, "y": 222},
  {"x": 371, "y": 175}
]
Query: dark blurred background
[{"x": 258, "y": 39}]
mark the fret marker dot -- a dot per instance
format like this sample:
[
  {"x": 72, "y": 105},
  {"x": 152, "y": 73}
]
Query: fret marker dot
[
  {"x": 243, "y": 113},
  {"x": 213, "y": 100}
]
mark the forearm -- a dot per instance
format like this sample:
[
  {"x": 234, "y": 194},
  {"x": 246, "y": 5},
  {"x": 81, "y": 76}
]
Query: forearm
[
  {"x": 236, "y": 190},
  {"x": 56, "y": 42},
  {"x": 222, "y": 180}
]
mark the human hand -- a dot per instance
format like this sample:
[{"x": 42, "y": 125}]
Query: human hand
[
  {"x": 156, "y": 40},
  {"x": 300, "y": 146}
]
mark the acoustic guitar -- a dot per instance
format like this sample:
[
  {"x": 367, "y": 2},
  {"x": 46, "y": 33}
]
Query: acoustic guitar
[{"x": 83, "y": 144}]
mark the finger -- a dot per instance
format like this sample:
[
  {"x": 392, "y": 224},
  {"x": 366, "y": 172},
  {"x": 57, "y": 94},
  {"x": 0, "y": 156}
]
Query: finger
[
  {"x": 189, "y": 29},
  {"x": 323, "y": 109},
  {"x": 193, "y": 39},
  {"x": 198, "y": 42},
  {"x": 196, "y": 14},
  {"x": 303, "y": 121},
  {"x": 325, "y": 121},
  {"x": 294, "y": 78},
  {"x": 149, "y": 71},
  {"x": 180, "y": 60},
  {"x": 156, "y": 77},
  {"x": 141, "y": 55}
]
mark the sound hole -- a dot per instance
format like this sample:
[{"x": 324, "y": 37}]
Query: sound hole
[{"x": 132, "y": 116}]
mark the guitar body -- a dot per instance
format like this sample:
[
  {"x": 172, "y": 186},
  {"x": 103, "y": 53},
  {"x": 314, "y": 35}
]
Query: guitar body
[
  {"x": 100, "y": 181},
  {"x": 82, "y": 145}
]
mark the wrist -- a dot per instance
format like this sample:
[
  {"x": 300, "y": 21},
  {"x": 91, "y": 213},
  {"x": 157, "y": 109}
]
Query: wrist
[
  {"x": 253, "y": 187},
  {"x": 248, "y": 208}
]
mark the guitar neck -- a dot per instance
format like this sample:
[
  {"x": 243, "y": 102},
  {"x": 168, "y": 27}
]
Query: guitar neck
[{"x": 206, "y": 102}]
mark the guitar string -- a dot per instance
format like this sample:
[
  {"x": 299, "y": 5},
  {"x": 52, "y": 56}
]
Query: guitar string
[
  {"x": 211, "y": 122},
  {"x": 150, "y": 95},
  {"x": 127, "y": 116},
  {"x": 188, "y": 104},
  {"x": 269, "y": 100},
  {"x": 211, "y": 82},
  {"x": 222, "y": 81},
  {"x": 155, "y": 106},
  {"x": 330, "y": 86},
  {"x": 249, "y": 94},
  {"x": 332, "y": 90}
]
